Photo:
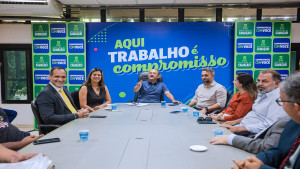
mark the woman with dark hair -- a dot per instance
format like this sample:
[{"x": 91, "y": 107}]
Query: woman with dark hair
[
  {"x": 242, "y": 101},
  {"x": 94, "y": 92}
]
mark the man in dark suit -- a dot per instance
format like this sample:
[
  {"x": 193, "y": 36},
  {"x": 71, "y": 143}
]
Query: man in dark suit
[
  {"x": 287, "y": 153},
  {"x": 264, "y": 141},
  {"x": 54, "y": 102}
]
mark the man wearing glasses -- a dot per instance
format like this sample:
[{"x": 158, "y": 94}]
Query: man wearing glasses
[
  {"x": 265, "y": 111},
  {"x": 286, "y": 154}
]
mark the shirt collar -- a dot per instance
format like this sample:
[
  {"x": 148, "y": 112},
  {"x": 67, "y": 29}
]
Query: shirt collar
[
  {"x": 151, "y": 83},
  {"x": 56, "y": 88}
]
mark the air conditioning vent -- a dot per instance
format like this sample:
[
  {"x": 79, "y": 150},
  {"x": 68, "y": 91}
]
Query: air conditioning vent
[
  {"x": 46, "y": 8},
  {"x": 25, "y": 3}
]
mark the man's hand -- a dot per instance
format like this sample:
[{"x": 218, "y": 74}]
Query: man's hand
[
  {"x": 225, "y": 125},
  {"x": 83, "y": 113},
  {"x": 249, "y": 163},
  {"x": 138, "y": 86},
  {"x": 221, "y": 139},
  {"x": 253, "y": 163},
  {"x": 176, "y": 102},
  {"x": 203, "y": 111},
  {"x": 213, "y": 116},
  {"x": 238, "y": 165},
  {"x": 29, "y": 139},
  {"x": 240, "y": 129},
  {"x": 21, "y": 157}
]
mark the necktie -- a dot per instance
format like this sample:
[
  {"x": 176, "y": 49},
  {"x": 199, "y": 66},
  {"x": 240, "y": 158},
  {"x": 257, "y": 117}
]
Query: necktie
[
  {"x": 67, "y": 101},
  {"x": 293, "y": 149}
]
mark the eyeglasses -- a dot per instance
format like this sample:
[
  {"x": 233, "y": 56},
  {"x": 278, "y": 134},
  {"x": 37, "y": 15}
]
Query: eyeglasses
[{"x": 280, "y": 102}]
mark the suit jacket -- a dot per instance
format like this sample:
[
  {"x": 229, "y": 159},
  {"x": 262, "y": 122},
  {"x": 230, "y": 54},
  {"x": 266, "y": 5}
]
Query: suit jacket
[
  {"x": 52, "y": 107},
  {"x": 264, "y": 141},
  {"x": 273, "y": 157}
]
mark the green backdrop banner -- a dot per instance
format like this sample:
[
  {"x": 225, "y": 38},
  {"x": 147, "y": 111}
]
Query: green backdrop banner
[
  {"x": 58, "y": 44},
  {"x": 262, "y": 45}
]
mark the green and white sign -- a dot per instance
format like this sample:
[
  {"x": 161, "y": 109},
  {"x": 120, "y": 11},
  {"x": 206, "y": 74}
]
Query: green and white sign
[
  {"x": 244, "y": 61},
  {"x": 40, "y": 30},
  {"x": 245, "y": 29},
  {"x": 58, "y": 54},
  {"x": 41, "y": 61},
  {"x": 271, "y": 47}
]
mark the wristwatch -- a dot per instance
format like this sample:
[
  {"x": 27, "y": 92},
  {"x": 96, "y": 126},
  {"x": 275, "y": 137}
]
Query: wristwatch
[
  {"x": 76, "y": 115},
  {"x": 206, "y": 108},
  {"x": 219, "y": 118}
]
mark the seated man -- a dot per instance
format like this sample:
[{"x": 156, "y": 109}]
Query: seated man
[
  {"x": 151, "y": 90},
  {"x": 54, "y": 102},
  {"x": 210, "y": 95},
  {"x": 11, "y": 137},
  {"x": 286, "y": 154},
  {"x": 264, "y": 141},
  {"x": 265, "y": 111}
]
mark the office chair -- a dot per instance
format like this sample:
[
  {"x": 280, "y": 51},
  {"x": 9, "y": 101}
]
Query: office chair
[
  {"x": 75, "y": 96},
  {"x": 42, "y": 127},
  {"x": 144, "y": 76}
]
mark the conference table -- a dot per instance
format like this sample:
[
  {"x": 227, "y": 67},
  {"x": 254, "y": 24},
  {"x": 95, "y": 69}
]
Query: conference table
[{"x": 137, "y": 137}]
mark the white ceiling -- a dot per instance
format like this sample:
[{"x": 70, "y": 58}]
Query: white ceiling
[
  {"x": 53, "y": 8},
  {"x": 169, "y": 2}
]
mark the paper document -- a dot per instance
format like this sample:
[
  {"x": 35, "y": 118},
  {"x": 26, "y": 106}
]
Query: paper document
[{"x": 36, "y": 162}]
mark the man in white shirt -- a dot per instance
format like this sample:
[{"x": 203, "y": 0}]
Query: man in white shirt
[{"x": 210, "y": 95}]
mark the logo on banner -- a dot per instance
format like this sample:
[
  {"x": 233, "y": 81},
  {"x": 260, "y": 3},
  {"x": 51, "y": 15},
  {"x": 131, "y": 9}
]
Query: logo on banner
[
  {"x": 262, "y": 61},
  {"x": 245, "y": 28},
  {"x": 58, "y": 46},
  {"x": 244, "y": 61},
  {"x": 263, "y": 29},
  {"x": 281, "y": 45},
  {"x": 284, "y": 74},
  {"x": 41, "y": 61},
  {"x": 263, "y": 45},
  {"x": 76, "y": 61},
  {"x": 244, "y": 45},
  {"x": 59, "y": 60},
  {"x": 40, "y": 30},
  {"x": 282, "y": 28},
  {"x": 76, "y": 46},
  {"x": 41, "y": 46},
  {"x": 76, "y": 76},
  {"x": 75, "y": 29},
  {"x": 41, "y": 76},
  {"x": 74, "y": 88},
  {"x": 281, "y": 60},
  {"x": 58, "y": 30}
]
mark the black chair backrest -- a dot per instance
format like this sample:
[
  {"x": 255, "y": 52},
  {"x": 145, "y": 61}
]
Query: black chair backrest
[
  {"x": 43, "y": 128},
  {"x": 144, "y": 76},
  {"x": 228, "y": 98},
  {"x": 75, "y": 96},
  {"x": 37, "y": 116},
  {"x": 36, "y": 113}
]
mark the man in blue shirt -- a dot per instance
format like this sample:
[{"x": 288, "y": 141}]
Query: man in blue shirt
[
  {"x": 286, "y": 154},
  {"x": 150, "y": 91}
]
